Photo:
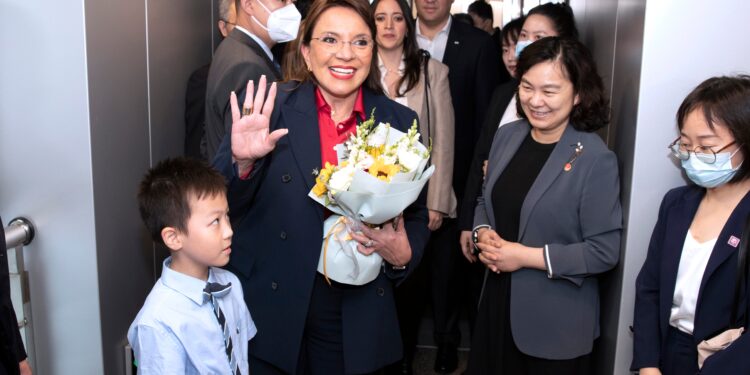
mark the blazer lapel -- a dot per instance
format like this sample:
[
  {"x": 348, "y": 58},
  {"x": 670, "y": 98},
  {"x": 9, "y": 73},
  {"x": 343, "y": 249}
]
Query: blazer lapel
[
  {"x": 301, "y": 117},
  {"x": 250, "y": 42},
  {"x": 560, "y": 155},
  {"x": 415, "y": 98},
  {"x": 679, "y": 218},
  {"x": 498, "y": 160},
  {"x": 723, "y": 250},
  {"x": 453, "y": 45}
]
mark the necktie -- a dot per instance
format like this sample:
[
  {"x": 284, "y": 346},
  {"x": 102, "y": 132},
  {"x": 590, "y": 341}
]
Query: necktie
[{"x": 212, "y": 292}]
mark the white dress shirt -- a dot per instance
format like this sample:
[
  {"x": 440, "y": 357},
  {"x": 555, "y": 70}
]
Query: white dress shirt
[
  {"x": 436, "y": 45},
  {"x": 266, "y": 49},
  {"x": 383, "y": 70},
  {"x": 176, "y": 331},
  {"x": 693, "y": 263},
  {"x": 510, "y": 114}
]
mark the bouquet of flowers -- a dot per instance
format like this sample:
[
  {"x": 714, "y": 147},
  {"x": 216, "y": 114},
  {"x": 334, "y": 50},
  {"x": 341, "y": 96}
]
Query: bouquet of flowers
[{"x": 380, "y": 172}]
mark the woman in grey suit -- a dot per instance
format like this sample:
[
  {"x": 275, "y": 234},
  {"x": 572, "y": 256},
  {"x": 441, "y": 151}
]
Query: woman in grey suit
[{"x": 548, "y": 221}]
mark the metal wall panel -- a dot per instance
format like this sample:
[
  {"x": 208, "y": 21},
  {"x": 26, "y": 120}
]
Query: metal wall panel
[{"x": 46, "y": 175}]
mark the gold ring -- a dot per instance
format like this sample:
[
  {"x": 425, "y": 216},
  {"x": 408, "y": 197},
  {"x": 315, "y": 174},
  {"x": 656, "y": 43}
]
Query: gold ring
[{"x": 247, "y": 111}]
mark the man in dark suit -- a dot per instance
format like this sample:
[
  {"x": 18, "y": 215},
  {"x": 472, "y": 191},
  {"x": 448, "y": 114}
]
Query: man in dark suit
[
  {"x": 244, "y": 55},
  {"x": 195, "y": 95},
  {"x": 473, "y": 61}
]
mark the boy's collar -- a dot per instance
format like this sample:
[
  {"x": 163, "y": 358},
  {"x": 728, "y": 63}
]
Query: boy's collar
[{"x": 188, "y": 286}]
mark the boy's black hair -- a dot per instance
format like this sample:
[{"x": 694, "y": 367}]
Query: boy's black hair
[{"x": 165, "y": 192}]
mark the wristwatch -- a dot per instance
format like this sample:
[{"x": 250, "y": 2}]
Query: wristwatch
[{"x": 475, "y": 235}]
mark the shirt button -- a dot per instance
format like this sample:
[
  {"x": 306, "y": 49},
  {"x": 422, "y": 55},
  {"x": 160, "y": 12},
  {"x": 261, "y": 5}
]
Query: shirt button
[
  {"x": 381, "y": 292},
  {"x": 238, "y": 330},
  {"x": 286, "y": 178},
  {"x": 282, "y": 235},
  {"x": 274, "y": 286}
]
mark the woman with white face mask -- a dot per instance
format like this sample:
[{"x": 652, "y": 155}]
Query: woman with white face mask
[
  {"x": 550, "y": 19},
  {"x": 684, "y": 292}
]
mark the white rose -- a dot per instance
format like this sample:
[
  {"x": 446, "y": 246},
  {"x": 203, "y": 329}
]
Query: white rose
[
  {"x": 341, "y": 179},
  {"x": 409, "y": 159},
  {"x": 378, "y": 136},
  {"x": 364, "y": 162}
]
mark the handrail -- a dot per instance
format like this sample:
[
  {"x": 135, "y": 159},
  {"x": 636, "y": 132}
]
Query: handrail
[{"x": 20, "y": 231}]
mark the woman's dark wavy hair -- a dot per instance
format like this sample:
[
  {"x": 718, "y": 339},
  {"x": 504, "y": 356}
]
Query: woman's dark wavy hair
[
  {"x": 412, "y": 54},
  {"x": 512, "y": 30},
  {"x": 724, "y": 101},
  {"x": 295, "y": 68},
  {"x": 592, "y": 111},
  {"x": 561, "y": 15}
]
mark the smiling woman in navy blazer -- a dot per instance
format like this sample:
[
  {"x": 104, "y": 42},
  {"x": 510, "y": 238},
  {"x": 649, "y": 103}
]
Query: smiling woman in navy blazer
[
  {"x": 548, "y": 221},
  {"x": 304, "y": 324},
  {"x": 684, "y": 292}
]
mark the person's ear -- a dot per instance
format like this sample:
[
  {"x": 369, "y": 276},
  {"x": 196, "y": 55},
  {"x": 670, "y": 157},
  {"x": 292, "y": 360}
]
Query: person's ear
[
  {"x": 305, "y": 55},
  {"x": 576, "y": 100},
  {"x": 247, "y": 6},
  {"x": 172, "y": 238},
  {"x": 223, "y": 28}
]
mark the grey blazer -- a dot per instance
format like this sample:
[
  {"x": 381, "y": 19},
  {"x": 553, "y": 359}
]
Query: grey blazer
[
  {"x": 576, "y": 217},
  {"x": 440, "y": 195},
  {"x": 237, "y": 59}
]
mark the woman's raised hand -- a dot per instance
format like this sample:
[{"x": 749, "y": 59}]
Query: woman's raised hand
[{"x": 251, "y": 139}]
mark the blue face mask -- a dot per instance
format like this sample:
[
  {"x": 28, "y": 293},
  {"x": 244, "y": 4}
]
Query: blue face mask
[
  {"x": 521, "y": 45},
  {"x": 710, "y": 175}
]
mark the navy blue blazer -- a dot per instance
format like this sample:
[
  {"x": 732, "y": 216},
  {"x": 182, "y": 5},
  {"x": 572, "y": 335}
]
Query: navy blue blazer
[
  {"x": 656, "y": 282},
  {"x": 278, "y": 232}
]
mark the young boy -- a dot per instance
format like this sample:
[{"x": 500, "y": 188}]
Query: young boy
[{"x": 195, "y": 320}]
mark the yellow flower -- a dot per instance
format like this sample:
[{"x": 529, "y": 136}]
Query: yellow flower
[
  {"x": 323, "y": 177},
  {"x": 383, "y": 171},
  {"x": 375, "y": 152}
]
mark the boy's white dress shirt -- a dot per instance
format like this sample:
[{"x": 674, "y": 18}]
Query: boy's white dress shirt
[{"x": 176, "y": 331}]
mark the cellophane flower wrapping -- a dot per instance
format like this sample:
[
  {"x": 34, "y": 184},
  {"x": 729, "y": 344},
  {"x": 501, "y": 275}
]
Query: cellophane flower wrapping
[{"x": 381, "y": 171}]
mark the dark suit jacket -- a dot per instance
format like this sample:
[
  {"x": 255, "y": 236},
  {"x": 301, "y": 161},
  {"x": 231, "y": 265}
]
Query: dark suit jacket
[
  {"x": 278, "y": 232},
  {"x": 237, "y": 59},
  {"x": 499, "y": 102},
  {"x": 195, "y": 112},
  {"x": 472, "y": 59},
  {"x": 11, "y": 344},
  {"x": 656, "y": 282},
  {"x": 576, "y": 214}
]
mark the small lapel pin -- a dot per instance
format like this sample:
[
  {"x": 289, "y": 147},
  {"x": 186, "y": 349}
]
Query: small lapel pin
[
  {"x": 315, "y": 172},
  {"x": 455, "y": 42},
  {"x": 733, "y": 241},
  {"x": 576, "y": 153}
]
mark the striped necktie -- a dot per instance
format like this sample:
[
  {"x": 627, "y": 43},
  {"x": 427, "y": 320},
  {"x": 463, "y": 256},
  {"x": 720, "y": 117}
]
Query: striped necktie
[{"x": 212, "y": 292}]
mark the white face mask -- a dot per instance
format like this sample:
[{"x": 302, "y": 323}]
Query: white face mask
[
  {"x": 283, "y": 23},
  {"x": 521, "y": 44}
]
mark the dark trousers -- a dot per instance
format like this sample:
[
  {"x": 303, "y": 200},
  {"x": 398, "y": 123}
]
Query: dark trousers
[
  {"x": 455, "y": 283},
  {"x": 681, "y": 354},
  {"x": 322, "y": 350}
]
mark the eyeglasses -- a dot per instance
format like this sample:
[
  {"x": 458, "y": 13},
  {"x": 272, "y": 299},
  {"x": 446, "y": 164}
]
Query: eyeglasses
[
  {"x": 704, "y": 154},
  {"x": 332, "y": 45},
  {"x": 227, "y": 22}
]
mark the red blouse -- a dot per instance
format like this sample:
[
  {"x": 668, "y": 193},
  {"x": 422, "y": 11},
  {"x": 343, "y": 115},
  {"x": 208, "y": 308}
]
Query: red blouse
[{"x": 331, "y": 133}]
